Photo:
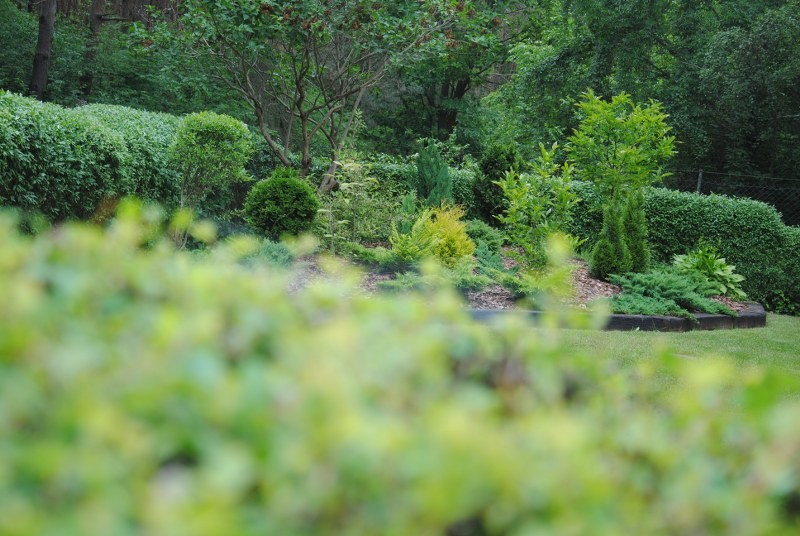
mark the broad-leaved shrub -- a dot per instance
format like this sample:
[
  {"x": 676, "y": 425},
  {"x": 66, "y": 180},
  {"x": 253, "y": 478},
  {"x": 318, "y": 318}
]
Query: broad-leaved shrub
[
  {"x": 150, "y": 391},
  {"x": 706, "y": 261},
  {"x": 58, "y": 161}
]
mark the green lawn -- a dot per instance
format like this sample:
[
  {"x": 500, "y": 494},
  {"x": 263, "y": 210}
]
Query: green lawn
[{"x": 777, "y": 345}]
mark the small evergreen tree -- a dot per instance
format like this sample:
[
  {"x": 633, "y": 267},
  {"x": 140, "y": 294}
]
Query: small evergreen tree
[
  {"x": 495, "y": 163},
  {"x": 635, "y": 226},
  {"x": 610, "y": 254},
  {"x": 434, "y": 183}
]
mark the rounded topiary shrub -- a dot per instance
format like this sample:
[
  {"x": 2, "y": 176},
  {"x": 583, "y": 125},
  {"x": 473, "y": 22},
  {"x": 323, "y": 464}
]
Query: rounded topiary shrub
[{"x": 281, "y": 205}]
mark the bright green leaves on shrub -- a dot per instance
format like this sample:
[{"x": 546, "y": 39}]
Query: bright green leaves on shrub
[
  {"x": 537, "y": 204},
  {"x": 210, "y": 151},
  {"x": 619, "y": 144},
  {"x": 706, "y": 261},
  {"x": 157, "y": 392}
]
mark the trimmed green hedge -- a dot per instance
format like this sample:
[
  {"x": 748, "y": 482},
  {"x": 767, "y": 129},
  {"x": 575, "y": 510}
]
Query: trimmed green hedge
[
  {"x": 58, "y": 161},
  {"x": 66, "y": 162},
  {"x": 748, "y": 233},
  {"x": 147, "y": 137}
]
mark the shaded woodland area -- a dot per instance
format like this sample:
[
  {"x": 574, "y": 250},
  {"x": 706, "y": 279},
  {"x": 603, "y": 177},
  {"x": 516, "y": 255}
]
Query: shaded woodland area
[{"x": 477, "y": 73}]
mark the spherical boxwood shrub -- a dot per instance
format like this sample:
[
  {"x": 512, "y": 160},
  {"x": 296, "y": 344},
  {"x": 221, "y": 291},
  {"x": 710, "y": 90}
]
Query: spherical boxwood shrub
[{"x": 281, "y": 205}]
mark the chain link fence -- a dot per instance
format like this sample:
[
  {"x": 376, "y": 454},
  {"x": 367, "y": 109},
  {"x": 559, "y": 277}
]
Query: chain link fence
[{"x": 783, "y": 194}]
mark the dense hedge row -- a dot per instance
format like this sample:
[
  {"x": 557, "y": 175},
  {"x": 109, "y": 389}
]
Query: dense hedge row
[
  {"x": 60, "y": 162},
  {"x": 66, "y": 162},
  {"x": 749, "y": 234},
  {"x": 147, "y": 137},
  {"x": 149, "y": 392}
]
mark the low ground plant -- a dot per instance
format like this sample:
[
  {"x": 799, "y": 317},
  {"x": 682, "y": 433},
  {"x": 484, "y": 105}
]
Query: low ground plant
[
  {"x": 432, "y": 278},
  {"x": 705, "y": 260},
  {"x": 666, "y": 291}
]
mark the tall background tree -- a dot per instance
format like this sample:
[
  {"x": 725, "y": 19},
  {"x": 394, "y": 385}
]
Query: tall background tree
[
  {"x": 44, "y": 48},
  {"x": 304, "y": 67},
  {"x": 726, "y": 72}
]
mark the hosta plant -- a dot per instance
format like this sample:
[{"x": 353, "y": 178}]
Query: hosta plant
[{"x": 706, "y": 261}]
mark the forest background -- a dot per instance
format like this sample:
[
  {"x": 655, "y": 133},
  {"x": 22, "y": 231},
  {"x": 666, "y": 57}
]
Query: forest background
[{"x": 474, "y": 73}]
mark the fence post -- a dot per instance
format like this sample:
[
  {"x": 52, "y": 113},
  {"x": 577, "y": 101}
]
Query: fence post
[{"x": 700, "y": 182}]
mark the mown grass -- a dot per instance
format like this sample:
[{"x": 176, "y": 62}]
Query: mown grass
[{"x": 777, "y": 345}]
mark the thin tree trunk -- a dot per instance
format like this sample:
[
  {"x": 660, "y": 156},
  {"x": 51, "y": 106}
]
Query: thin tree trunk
[
  {"x": 329, "y": 181},
  {"x": 95, "y": 21},
  {"x": 44, "y": 48}
]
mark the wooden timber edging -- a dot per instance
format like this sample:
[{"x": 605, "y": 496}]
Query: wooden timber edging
[{"x": 753, "y": 316}]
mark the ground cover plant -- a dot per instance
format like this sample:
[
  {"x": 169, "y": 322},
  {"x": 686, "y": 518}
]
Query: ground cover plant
[
  {"x": 666, "y": 292},
  {"x": 149, "y": 389}
]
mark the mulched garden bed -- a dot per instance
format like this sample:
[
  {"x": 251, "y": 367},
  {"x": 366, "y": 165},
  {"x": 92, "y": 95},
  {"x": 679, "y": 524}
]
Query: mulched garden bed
[{"x": 494, "y": 300}]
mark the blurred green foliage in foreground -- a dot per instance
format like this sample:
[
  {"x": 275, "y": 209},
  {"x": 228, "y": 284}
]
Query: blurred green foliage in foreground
[{"x": 149, "y": 391}]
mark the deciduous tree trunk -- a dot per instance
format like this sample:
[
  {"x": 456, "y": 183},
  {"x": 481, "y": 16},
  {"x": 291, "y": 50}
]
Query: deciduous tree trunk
[
  {"x": 44, "y": 48},
  {"x": 95, "y": 21}
]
